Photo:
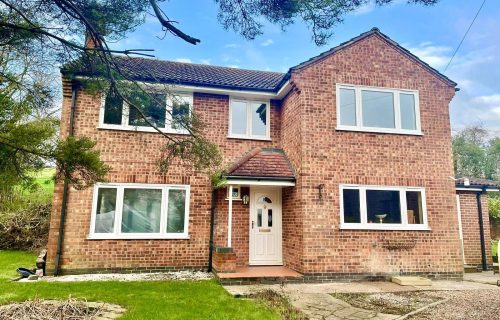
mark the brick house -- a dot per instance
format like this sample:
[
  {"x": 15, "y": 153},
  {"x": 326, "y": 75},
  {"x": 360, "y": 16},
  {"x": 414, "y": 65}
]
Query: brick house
[
  {"x": 338, "y": 169},
  {"x": 474, "y": 221}
]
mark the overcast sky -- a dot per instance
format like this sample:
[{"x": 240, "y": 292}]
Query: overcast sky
[{"x": 432, "y": 33}]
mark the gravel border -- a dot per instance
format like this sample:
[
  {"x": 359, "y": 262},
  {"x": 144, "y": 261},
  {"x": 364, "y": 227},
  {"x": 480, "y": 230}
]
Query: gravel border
[{"x": 160, "y": 276}]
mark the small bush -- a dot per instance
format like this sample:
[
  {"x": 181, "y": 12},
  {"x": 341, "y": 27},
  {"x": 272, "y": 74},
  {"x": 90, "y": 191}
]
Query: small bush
[
  {"x": 25, "y": 228},
  {"x": 494, "y": 207}
]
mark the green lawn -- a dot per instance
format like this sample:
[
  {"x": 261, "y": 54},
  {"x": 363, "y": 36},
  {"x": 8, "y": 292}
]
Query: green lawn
[
  {"x": 143, "y": 300},
  {"x": 45, "y": 179}
]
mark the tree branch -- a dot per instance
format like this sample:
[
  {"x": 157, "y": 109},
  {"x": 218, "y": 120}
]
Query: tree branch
[{"x": 168, "y": 25}]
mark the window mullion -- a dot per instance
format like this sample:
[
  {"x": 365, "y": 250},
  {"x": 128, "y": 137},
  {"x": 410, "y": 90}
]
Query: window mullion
[
  {"x": 164, "y": 210},
  {"x": 359, "y": 107},
  {"x": 397, "y": 110},
  {"x": 249, "y": 119},
  {"x": 168, "y": 112},
  {"x": 363, "y": 206},
  {"x": 118, "y": 210},
  {"x": 404, "y": 208},
  {"x": 125, "y": 114}
]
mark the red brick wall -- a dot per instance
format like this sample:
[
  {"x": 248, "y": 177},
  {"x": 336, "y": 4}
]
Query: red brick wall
[
  {"x": 132, "y": 157},
  {"x": 304, "y": 126},
  {"x": 470, "y": 228},
  {"x": 333, "y": 157}
]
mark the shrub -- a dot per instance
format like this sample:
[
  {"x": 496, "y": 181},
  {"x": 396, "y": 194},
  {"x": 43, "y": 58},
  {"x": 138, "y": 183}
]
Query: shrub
[
  {"x": 25, "y": 228},
  {"x": 494, "y": 207}
]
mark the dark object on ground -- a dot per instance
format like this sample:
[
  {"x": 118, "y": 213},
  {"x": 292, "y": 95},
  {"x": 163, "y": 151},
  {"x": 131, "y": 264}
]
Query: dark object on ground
[{"x": 25, "y": 272}]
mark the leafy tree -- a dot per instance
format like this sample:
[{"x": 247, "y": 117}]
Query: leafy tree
[
  {"x": 45, "y": 34},
  {"x": 475, "y": 155},
  {"x": 494, "y": 206}
]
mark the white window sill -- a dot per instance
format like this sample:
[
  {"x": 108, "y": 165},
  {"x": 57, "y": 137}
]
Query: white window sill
[
  {"x": 137, "y": 237},
  {"x": 379, "y": 226},
  {"x": 249, "y": 138},
  {"x": 141, "y": 129},
  {"x": 234, "y": 199},
  {"x": 380, "y": 130}
]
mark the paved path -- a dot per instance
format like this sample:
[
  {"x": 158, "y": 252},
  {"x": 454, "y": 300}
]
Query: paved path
[
  {"x": 322, "y": 306},
  {"x": 317, "y": 303}
]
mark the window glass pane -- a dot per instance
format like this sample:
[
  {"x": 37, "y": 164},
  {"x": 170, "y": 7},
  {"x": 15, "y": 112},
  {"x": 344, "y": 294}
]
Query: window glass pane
[
  {"x": 176, "y": 211},
  {"x": 383, "y": 206},
  {"x": 113, "y": 109},
  {"x": 238, "y": 117},
  {"x": 352, "y": 212},
  {"x": 180, "y": 112},
  {"x": 347, "y": 107},
  {"x": 408, "y": 118},
  {"x": 141, "y": 211},
  {"x": 259, "y": 217},
  {"x": 105, "y": 211},
  {"x": 414, "y": 207},
  {"x": 152, "y": 105},
  {"x": 259, "y": 119},
  {"x": 378, "y": 109},
  {"x": 270, "y": 217}
]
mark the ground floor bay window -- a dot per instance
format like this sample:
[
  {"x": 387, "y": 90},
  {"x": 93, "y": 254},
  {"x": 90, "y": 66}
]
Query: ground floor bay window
[
  {"x": 376, "y": 207},
  {"x": 140, "y": 211}
]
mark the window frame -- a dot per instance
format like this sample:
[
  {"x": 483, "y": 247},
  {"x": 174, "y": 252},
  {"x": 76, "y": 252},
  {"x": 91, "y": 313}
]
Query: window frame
[
  {"x": 249, "y": 135},
  {"x": 235, "y": 187},
  {"x": 397, "y": 110},
  {"x": 364, "y": 225},
  {"x": 126, "y": 111},
  {"x": 117, "y": 234}
]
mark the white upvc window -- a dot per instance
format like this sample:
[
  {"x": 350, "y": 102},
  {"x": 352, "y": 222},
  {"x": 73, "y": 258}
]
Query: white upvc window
[
  {"x": 159, "y": 108},
  {"x": 139, "y": 211},
  {"x": 382, "y": 208},
  {"x": 236, "y": 193},
  {"x": 371, "y": 109},
  {"x": 249, "y": 119}
]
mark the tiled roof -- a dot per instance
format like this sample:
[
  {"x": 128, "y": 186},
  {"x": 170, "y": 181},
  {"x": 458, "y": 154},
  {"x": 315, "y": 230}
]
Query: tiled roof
[
  {"x": 263, "y": 162},
  {"x": 161, "y": 71},
  {"x": 476, "y": 183}
]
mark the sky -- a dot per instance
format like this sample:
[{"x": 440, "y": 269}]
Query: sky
[{"x": 432, "y": 33}]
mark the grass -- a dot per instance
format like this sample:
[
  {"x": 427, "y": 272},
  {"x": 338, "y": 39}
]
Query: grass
[
  {"x": 142, "y": 299},
  {"x": 45, "y": 179},
  {"x": 494, "y": 247}
]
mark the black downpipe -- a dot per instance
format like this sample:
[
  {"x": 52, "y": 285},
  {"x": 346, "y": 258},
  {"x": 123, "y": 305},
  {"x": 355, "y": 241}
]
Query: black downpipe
[
  {"x": 481, "y": 229},
  {"x": 212, "y": 222},
  {"x": 65, "y": 189}
]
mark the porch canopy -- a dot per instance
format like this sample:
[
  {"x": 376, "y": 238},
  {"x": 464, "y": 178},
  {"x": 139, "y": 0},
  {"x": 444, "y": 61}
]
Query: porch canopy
[{"x": 258, "y": 167}]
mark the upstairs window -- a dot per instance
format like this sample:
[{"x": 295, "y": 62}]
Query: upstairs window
[
  {"x": 375, "y": 207},
  {"x": 166, "y": 112},
  {"x": 377, "y": 110},
  {"x": 249, "y": 119}
]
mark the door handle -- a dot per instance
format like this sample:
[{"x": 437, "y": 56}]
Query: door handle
[{"x": 253, "y": 223}]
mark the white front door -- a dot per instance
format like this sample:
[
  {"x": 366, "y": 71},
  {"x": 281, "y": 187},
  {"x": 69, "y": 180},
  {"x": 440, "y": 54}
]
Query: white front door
[{"x": 265, "y": 226}]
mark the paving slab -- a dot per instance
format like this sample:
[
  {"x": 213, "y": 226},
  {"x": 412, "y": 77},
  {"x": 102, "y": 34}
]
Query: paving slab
[
  {"x": 487, "y": 277},
  {"x": 411, "y": 281}
]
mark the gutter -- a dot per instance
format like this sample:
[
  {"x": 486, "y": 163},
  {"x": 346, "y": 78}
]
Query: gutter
[
  {"x": 64, "y": 203},
  {"x": 481, "y": 228},
  {"x": 212, "y": 222}
]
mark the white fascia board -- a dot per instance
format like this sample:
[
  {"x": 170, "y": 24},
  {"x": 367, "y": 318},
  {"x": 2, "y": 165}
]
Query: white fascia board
[{"x": 261, "y": 183}]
